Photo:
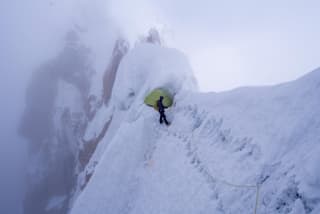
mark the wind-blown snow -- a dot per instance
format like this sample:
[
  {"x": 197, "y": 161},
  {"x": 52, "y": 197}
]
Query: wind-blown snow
[{"x": 218, "y": 149}]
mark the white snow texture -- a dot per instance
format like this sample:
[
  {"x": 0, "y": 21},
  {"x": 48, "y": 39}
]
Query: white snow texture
[{"x": 217, "y": 150}]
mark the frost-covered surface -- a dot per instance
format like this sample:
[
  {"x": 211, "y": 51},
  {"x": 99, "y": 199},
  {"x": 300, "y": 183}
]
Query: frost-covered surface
[
  {"x": 149, "y": 66},
  {"x": 217, "y": 149}
]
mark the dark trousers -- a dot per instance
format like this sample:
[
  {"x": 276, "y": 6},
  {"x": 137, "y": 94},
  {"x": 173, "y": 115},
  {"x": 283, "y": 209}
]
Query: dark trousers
[{"x": 163, "y": 117}]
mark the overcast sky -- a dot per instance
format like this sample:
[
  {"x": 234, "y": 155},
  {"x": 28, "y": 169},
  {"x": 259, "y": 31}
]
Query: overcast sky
[
  {"x": 235, "y": 43},
  {"x": 229, "y": 43},
  {"x": 252, "y": 43}
]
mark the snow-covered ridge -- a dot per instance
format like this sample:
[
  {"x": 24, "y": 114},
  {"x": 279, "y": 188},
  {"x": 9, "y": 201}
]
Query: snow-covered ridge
[
  {"x": 266, "y": 136},
  {"x": 145, "y": 67}
]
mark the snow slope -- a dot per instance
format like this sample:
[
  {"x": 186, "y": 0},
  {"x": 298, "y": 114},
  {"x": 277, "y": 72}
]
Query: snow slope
[{"x": 219, "y": 152}]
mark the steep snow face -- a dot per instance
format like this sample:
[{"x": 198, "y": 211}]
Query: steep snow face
[
  {"x": 222, "y": 153},
  {"x": 281, "y": 116},
  {"x": 135, "y": 76}
]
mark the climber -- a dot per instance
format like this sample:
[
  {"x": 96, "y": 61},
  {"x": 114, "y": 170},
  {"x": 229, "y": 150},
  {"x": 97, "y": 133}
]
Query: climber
[
  {"x": 161, "y": 111},
  {"x": 159, "y": 99}
]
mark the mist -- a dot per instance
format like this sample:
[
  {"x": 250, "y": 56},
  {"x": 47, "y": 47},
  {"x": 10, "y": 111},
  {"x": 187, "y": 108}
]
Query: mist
[
  {"x": 228, "y": 44},
  {"x": 32, "y": 33}
]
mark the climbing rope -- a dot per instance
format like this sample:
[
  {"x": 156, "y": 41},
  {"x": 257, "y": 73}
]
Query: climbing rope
[
  {"x": 257, "y": 186},
  {"x": 257, "y": 199}
]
